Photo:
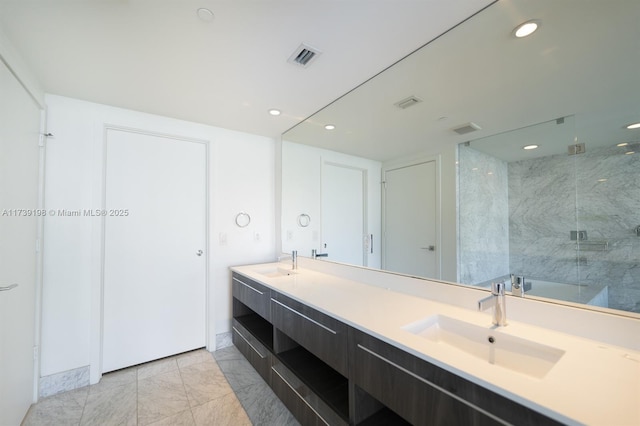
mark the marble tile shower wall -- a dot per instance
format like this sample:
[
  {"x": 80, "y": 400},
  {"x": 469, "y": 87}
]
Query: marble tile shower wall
[
  {"x": 483, "y": 216},
  {"x": 551, "y": 196}
]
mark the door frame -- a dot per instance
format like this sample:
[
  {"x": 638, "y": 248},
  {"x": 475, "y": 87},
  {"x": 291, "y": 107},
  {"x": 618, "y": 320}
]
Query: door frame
[
  {"x": 401, "y": 164},
  {"x": 365, "y": 202},
  {"x": 98, "y": 232}
]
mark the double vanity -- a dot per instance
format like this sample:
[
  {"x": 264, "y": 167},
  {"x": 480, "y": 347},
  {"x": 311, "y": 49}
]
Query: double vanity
[{"x": 343, "y": 345}]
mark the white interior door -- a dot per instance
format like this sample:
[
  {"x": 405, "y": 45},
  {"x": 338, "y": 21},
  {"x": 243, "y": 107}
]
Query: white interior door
[
  {"x": 343, "y": 214},
  {"x": 19, "y": 176},
  {"x": 410, "y": 220},
  {"x": 154, "y": 260}
]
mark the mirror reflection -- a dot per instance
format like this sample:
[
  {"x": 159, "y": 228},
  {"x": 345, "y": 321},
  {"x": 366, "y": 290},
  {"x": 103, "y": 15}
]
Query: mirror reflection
[
  {"x": 393, "y": 185},
  {"x": 535, "y": 207}
]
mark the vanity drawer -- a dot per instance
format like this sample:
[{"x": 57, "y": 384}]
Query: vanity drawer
[
  {"x": 423, "y": 393},
  {"x": 254, "y": 295},
  {"x": 255, "y": 352},
  {"x": 320, "y": 334}
]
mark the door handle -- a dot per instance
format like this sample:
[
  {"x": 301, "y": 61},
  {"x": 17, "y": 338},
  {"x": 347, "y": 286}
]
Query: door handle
[
  {"x": 9, "y": 287},
  {"x": 430, "y": 248},
  {"x": 199, "y": 253}
]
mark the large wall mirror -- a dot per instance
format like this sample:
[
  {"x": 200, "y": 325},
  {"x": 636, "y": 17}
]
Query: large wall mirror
[{"x": 426, "y": 173}]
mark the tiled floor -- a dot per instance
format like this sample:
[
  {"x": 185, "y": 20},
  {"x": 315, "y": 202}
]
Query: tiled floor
[{"x": 195, "y": 388}]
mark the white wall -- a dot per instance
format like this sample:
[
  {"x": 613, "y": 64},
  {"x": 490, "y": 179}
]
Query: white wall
[
  {"x": 301, "y": 193},
  {"x": 241, "y": 169},
  {"x": 14, "y": 62}
]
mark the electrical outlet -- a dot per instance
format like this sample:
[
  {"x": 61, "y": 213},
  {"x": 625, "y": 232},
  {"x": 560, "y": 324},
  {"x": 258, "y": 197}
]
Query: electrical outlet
[
  {"x": 256, "y": 237},
  {"x": 222, "y": 238}
]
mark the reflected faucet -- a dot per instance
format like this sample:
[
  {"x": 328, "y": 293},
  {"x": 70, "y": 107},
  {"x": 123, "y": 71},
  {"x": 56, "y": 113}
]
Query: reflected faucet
[
  {"x": 518, "y": 285},
  {"x": 315, "y": 254},
  {"x": 497, "y": 302}
]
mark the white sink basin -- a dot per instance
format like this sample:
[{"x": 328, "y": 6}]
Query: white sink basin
[
  {"x": 514, "y": 353},
  {"x": 274, "y": 272}
]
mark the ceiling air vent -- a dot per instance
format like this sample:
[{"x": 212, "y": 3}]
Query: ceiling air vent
[
  {"x": 304, "y": 55},
  {"x": 407, "y": 102},
  {"x": 466, "y": 128}
]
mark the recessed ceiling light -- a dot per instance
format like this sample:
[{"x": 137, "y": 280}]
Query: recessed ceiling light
[
  {"x": 634, "y": 126},
  {"x": 529, "y": 147},
  {"x": 623, "y": 144},
  {"x": 275, "y": 112},
  {"x": 526, "y": 28},
  {"x": 329, "y": 127},
  {"x": 205, "y": 14}
]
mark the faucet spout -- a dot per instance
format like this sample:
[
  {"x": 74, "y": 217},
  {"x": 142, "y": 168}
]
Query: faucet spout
[
  {"x": 294, "y": 259},
  {"x": 497, "y": 301}
]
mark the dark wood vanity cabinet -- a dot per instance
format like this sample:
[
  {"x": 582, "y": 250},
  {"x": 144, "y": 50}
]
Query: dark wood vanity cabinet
[
  {"x": 252, "y": 294},
  {"x": 252, "y": 331},
  {"x": 328, "y": 373},
  {"x": 259, "y": 355},
  {"x": 406, "y": 385},
  {"x": 320, "y": 334},
  {"x": 425, "y": 394}
]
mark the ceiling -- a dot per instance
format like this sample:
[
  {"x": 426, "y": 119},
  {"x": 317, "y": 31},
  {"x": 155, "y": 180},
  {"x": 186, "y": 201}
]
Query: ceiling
[
  {"x": 157, "y": 56},
  {"x": 582, "y": 62}
]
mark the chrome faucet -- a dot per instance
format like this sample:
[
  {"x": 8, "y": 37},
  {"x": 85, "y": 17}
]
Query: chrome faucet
[
  {"x": 497, "y": 302},
  {"x": 518, "y": 285},
  {"x": 294, "y": 259}
]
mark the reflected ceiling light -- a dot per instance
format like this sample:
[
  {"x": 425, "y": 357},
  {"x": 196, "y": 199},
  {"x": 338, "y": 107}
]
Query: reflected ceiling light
[
  {"x": 329, "y": 127},
  {"x": 623, "y": 144},
  {"x": 629, "y": 153},
  {"x": 489, "y": 173},
  {"x": 634, "y": 126},
  {"x": 205, "y": 14},
  {"x": 602, "y": 180},
  {"x": 275, "y": 112},
  {"x": 529, "y": 147},
  {"x": 474, "y": 169},
  {"x": 526, "y": 28}
]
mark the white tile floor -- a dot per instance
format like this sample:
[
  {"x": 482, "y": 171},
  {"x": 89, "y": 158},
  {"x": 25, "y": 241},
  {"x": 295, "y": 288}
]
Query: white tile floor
[{"x": 188, "y": 389}]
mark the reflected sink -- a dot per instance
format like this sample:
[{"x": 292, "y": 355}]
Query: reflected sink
[
  {"x": 510, "y": 352},
  {"x": 274, "y": 272}
]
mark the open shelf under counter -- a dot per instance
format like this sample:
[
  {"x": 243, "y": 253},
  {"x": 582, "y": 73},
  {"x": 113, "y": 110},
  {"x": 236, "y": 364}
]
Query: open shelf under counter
[
  {"x": 324, "y": 381},
  {"x": 259, "y": 327}
]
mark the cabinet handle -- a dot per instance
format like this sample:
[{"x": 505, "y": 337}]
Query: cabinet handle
[
  {"x": 247, "y": 285},
  {"x": 9, "y": 287},
  {"x": 433, "y": 385},
  {"x": 248, "y": 343},
  {"x": 304, "y": 316},
  {"x": 299, "y": 396}
]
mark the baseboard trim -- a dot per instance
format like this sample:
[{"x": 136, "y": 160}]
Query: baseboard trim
[{"x": 63, "y": 381}]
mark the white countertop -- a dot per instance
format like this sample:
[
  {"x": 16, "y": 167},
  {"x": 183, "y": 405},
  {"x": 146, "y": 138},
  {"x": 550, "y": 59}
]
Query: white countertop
[{"x": 593, "y": 383}]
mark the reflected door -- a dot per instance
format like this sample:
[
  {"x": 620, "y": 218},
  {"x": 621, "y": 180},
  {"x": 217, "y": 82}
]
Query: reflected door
[
  {"x": 155, "y": 267},
  {"x": 343, "y": 214},
  {"x": 19, "y": 174},
  {"x": 410, "y": 220}
]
